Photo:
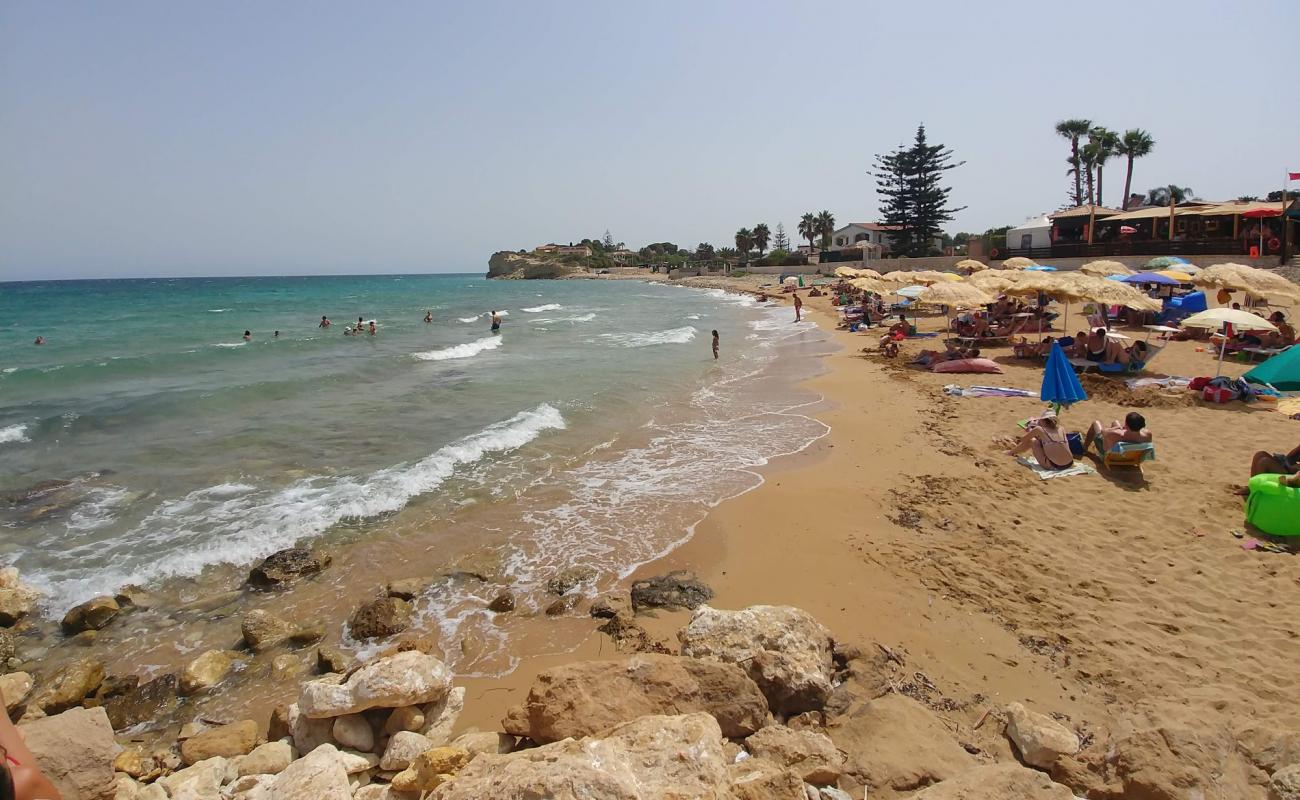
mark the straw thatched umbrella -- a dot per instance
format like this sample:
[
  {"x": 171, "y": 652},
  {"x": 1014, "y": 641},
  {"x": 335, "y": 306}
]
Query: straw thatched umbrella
[
  {"x": 951, "y": 295},
  {"x": 994, "y": 280},
  {"x": 1019, "y": 262},
  {"x": 1103, "y": 268},
  {"x": 846, "y": 272},
  {"x": 924, "y": 277},
  {"x": 1111, "y": 293},
  {"x": 970, "y": 266},
  {"x": 870, "y": 285},
  {"x": 1241, "y": 278},
  {"x": 867, "y": 272}
]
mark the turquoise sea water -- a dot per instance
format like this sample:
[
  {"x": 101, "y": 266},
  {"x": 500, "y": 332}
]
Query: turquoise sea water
[{"x": 596, "y": 424}]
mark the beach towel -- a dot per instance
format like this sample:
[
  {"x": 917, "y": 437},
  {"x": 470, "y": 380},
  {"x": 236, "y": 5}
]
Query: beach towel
[
  {"x": 1045, "y": 474},
  {"x": 1172, "y": 382},
  {"x": 954, "y": 390}
]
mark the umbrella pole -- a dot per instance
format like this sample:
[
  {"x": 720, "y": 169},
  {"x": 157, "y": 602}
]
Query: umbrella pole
[{"x": 1222, "y": 349}]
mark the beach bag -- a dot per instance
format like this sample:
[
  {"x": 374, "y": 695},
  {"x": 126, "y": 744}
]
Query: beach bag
[
  {"x": 1198, "y": 384},
  {"x": 1218, "y": 394},
  {"x": 1075, "y": 440}
]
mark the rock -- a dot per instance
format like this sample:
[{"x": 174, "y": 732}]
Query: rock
[
  {"x": 1169, "y": 763},
  {"x": 503, "y": 602},
  {"x": 677, "y": 589},
  {"x": 331, "y": 659},
  {"x": 1285, "y": 783},
  {"x": 407, "y": 589},
  {"x": 611, "y": 605},
  {"x": 402, "y": 749},
  {"x": 271, "y": 758},
  {"x": 132, "y": 596},
  {"x": 566, "y": 580},
  {"x": 250, "y": 787},
  {"x": 385, "y": 616},
  {"x": 279, "y": 725},
  {"x": 355, "y": 763},
  {"x": 286, "y": 666},
  {"x": 404, "y": 679},
  {"x": 8, "y": 645},
  {"x": 68, "y": 686},
  {"x": 152, "y": 791},
  {"x": 28, "y": 494},
  {"x": 125, "y": 787},
  {"x": 895, "y": 743},
  {"x": 478, "y": 742},
  {"x": 209, "y": 603},
  {"x": 832, "y": 793},
  {"x": 440, "y": 717},
  {"x": 17, "y": 599},
  {"x": 431, "y": 769},
  {"x": 319, "y": 775},
  {"x": 199, "y": 781},
  {"x": 92, "y": 615},
  {"x": 75, "y": 750},
  {"x": 280, "y": 569},
  {"x": 406, "y": 718},
  {"x": 135, "y": 763},
  {"x": 996, "y": 781},
  {"x": 115, "y": 686},
  {"x": 783, "y": 649},
  {"x": 375, "y": 791},
  {"x": 263, "y": 630},
  {"x": 1039, "y": 739},
  {"x": 760, "y": 779},
  {"x": 637, "y": 760},
  {"x": 206, "y": 671},
  {"x": 812, "y": 755},
  {"x": 563, "y": 605},
  {"x": 227, "y": 741},
  {"x": 587, "y": 698},
  {"x": 148, "y": 702},
  {"x": 354, "y": 732},
  {"x": 308, "y": 734},
  {"x": 15, "y": 686}
]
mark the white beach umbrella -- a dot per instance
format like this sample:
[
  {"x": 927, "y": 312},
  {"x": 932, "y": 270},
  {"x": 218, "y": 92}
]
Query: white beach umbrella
[{"x": 1224, "y": 316}]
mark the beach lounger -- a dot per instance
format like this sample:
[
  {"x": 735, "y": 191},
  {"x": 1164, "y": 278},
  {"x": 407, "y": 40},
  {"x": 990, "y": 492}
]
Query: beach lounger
[{"x": 1126, "y": 454}]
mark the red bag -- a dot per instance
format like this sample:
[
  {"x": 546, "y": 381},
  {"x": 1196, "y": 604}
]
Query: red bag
[
  {"x": 1198, "y": 384},
  {"x": 1218, "y": 394}
]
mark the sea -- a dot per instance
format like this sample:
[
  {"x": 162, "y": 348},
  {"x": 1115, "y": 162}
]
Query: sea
[{"x": 171, "y": 451}]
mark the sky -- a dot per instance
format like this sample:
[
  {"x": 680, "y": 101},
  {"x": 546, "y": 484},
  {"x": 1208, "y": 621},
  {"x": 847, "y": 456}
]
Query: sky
[{"x": 241, "y": 138}]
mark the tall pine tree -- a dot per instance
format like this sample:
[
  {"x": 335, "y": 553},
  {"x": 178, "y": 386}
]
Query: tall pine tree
[
  {"x": 915, "y": 201},
  {"x": 780, "y": 241}
]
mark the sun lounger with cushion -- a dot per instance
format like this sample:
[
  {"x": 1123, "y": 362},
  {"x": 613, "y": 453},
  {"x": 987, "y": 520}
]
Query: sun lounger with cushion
[{"x": 1126, "y": 454}]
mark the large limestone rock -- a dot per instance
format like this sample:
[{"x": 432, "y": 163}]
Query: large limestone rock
[
  {"x": 15, "y": 686},
  {"x": 894, "y": 742},
  {"x": 1039, "y": 739},
  {"x": 282, "y": 568},
  {"x": 440, "y": 716},
  {"x": 760, "y": 779},
  {"x": 92, "y": 615},
  {"x": 353, "y": 731},
  {"x": 997, "y": 781},
  {"x": 404, "y": 679},
  {"x": 201, "y": 781},
  {"x": 784, "y": 650},
  {"x": 17, "y": 599},
  {"x": 402, "y": 749},
  {"x": 677, "y": 589},
  {"x": 484, "y": 742},
  {"x": 587, "y": 698},
  {"x": 319, "y": 775},
  {"x": 1285, "y": 783},
  {"x": 227, "y": 741},
  {"x": 307, "y": 733},
  {"x": 75, "y": 750},
  {"x": 271, "y": 758},
  {"x": 206, "y": 671},
  {"x": 431, "y": 769},
  {"x": 381, "y": 617},
  {"x": 811, "y": 754},
  {"x": 1171, "y": 763},
  {"x": 406, "y": 718},
  {"x": 146, "y": 703},
  {"x": 651, "y": 758},
  {"x": 263, "y": 630},
  {"x": 68, "y": 686}
]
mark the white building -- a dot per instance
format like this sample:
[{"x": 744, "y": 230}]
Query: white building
[{"x": 855, "y": 234}]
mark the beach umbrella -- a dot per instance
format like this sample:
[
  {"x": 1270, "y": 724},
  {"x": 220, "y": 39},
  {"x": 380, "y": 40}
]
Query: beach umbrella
[
  {"x": 970, "y": 266},
  {"x": 846, "y": 272},
  {"x": 1164, "y": 262},
  {"x": 867, "y": 272},
  {"x": 1221, "y": 318},
  {"x": 870, "y": 285},
  {"x": 790, "y": 281},
  {"x": 1181, "y": 277},
  {"x": 993, "y": 280},
  {"x": 920, "y": 276},
  {"x": 1040, "y": 268},
  {"x": 950, "y": 295},
  {"x": 1251, "y": 280},
  {"x": 1019, "y": 262},
  {"x": 1103, "y": 268},
  {"x": 910, "y": 292},
  {"x": 1061, "y": 386},
  {"x": 1151, "y": 277},
  {"x": 1127, "y": 230},
  {"x": 1108, "y": 292}
]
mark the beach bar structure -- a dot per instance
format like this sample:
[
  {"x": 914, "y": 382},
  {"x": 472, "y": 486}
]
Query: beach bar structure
[{"x": 1252, "y": 229}]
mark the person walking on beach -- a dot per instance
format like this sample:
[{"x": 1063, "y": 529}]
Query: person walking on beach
[
  {"x": 325, "y": 321},
  {"x": 496, "y": 322},
  {"x": 715, "y": 345},
  {"x": 798, "y": 307}
]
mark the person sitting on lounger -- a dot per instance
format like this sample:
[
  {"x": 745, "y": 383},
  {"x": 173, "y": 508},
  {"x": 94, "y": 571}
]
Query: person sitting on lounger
[
  {"x": 1025, "y": 349},
  {"x": 1047, "y": 440},
  {"x": 1287, "y": 464},
  {"x": 1118, "y": 354},
  {"x": 1284, "y": 336},
  {"x": 1133, "y": 431},
  {"x": 1080, "y": 347}
]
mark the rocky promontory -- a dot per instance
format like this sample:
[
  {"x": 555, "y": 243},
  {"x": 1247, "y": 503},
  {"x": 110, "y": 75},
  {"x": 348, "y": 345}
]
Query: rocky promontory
[{"x": 509, "y": 264}]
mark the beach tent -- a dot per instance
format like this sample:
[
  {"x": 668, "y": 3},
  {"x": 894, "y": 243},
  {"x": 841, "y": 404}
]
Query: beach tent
[
  {"x": 1282, "y": 371},
  {"x": 1035, "y": 233}
]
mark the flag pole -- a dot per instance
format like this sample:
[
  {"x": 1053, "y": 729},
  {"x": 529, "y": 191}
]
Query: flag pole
[{"x": 1286, "y": 224}]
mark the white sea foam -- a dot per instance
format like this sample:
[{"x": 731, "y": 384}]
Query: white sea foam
[
  {"x": 782, "y": 324},
  {"x": 469, "y": 319},
  {"x": 673, "y": 336},
  {"x": 230, "y": 344},
  {"x": 217, "y": 310},
  {"x": 14, "y": 433},
  {"x": 467, "y": 350},
  {"x": 541, "y": 308},
  {"x": 7, "y": 370},
  {"x": 97, "y": 509},
  {"x": 236, "y": 523},
  {"x": 579, "y": 318}
]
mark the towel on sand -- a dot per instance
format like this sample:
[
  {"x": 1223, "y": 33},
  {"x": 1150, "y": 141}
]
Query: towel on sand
[
  {"x": 986, "y": 391},
  {"x": 1044, "y": 474}
]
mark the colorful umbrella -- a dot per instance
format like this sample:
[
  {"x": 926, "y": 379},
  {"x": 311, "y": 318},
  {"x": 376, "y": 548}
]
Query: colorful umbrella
[
  {"x": 1164, "y": 262},
  {"x": 1061, "y": 386},
  {"x": 1151, "y": 277}
]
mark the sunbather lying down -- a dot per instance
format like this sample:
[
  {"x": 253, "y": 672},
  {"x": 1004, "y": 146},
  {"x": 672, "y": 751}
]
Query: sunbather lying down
[
  {"x": 928, "y": 358},
  {"x": 1133, "y": 431},
  {"x": 1047, "y": 440}
]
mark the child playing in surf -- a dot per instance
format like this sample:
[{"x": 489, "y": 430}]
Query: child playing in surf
[{"x": 715, "y": 345}]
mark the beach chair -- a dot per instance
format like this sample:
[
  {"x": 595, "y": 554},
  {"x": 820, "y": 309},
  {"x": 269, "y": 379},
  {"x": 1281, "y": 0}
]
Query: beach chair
[
  {"x": 1126, "y": 454},
  {"x": 1132, "y": 366}
]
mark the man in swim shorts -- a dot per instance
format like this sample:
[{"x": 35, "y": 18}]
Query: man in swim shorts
[{"x": 496, "y": 322}]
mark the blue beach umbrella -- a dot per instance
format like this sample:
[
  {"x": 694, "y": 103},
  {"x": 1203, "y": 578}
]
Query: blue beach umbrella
[
  {"x": 1151, "y": 277},
  {"x": 1061, "y": 386},
  {"x": 1040, "y": 268}
]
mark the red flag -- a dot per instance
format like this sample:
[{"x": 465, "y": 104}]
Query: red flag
[{"x": 1293, "y": 176}]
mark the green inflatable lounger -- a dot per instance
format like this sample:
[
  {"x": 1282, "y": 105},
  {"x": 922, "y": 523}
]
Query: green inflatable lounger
[{"x": 1272, "y": 507}]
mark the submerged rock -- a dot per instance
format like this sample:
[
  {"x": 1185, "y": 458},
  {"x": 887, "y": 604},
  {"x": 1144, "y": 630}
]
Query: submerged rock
[
  {"x": 29, "y": 494},
  {"x": 92, "y": 615},
  {"x": 332, "y": 659},
  {"x": 406, "y": 589},
  {"x": 385, "y": 616},
  {"x": 282, "y": 568},
  {"x": 149, "y": 702},
  {"x": 566, "y": 580},
  {"x": 503, "y": 602},
  {"x": 68, "y": 686},
  {"x": 263, "y": 630},
  {"x": 206, "y": 671},
  {"x": 677, "y": 589}
]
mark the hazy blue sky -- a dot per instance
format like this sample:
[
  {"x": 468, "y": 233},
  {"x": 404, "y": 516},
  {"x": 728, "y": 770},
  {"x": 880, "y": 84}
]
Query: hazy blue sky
[{"x": 164, "y": 138}]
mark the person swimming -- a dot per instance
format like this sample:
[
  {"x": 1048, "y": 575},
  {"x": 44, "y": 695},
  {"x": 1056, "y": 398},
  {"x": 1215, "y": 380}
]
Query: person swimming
[
  {"x": 325, "y": 321},
  {"x": 39, "y": 340},
  {"x": 248, "y": 336}
]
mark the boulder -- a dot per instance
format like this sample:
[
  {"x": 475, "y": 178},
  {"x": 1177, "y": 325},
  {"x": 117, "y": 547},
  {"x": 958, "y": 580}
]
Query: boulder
[
  {"x": 407, "y": 589},
  {"x": 136, "y": 763},
  {"x": 1285, "y": 783},
  {"x": 638, "y": 760},
  {"x": 75, "y": 750},
  {"x": 563, "y": 605},
  {"x": 286, "y": 666},
  {"x": 148, "y": 702},
  {"x": 114, "y": 686},
  {"x": 406, "y": 718},
  {"x": 249, "y": 787},
  {"x": 319, "y": 775},
  {"x": 15, "y": 686},
  {"x": 331, "y": 659},
  {"x": 566, "y": 580},
  {"x": 355, "y": 763},
  {"x": 587, "y": 698},
  {"x": 811, "y": 754},
  {"x": 125, "y": 787},
  {"x": 263, "y": 630},
  {"x": 480, "y": 742},
  {"x": 17, "y": 599},
  {"x": 402, "y": 749},
  {"x": 227, "y": 741},
  {"x": 286, "y": 566},
  {"x": 783, "y": 649},
  {"x": 132, "y": 596},
  {"x": 206, "y": 671},
  {"x": 279, "y": 725},
  {"x": 8, "y": 645},
  {"x": 384, "y": 616},
  {"x": 92, "y": 615},
  {"x": 199, "y": 781},
  {"x": 760, "y": 779},
  {"x": 894, "y": 742},
  {"x": 404, "y": 679},
  {"x": 266, "y": 759},
  {"x": 1038, "y": 738},
  {"x": 308, "y": 734},
  {"x": 503, "y": 602},
  {"x": 431, "y": 769},
  {"x": 440, "y": 716},
  {"x": 996, "y": 781},
  {"x": 374, "y": 791},
  {"x": 68, "y": 686},
  {"x": 677, "y": 589},
  {"x": 353, "y": 731},
  {"x": 611, "y": 605},
  {"x": 1172, "y": 763}
]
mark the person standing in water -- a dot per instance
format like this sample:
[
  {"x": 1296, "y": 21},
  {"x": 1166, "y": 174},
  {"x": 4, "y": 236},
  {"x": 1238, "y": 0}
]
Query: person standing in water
[
  {"x": 496, "y": 322},
  {"x": 324, "y": 321},
  {"x": 372, "y": 327},
  {"x": 798, "y": 307},
  {"x": 715, "y": 345},
  {"x": 248, "y": 336},
  {"x": 428, "y": 316},
  {"x": 39, "y": 340}
]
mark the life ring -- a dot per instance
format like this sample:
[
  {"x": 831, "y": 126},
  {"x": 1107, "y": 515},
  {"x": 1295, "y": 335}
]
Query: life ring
[
  {"x": 1274, "y": 244},
  {"x": 994, "y": 253}
]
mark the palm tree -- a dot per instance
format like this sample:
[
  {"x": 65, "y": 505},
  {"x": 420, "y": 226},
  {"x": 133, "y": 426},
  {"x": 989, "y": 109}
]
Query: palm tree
[
  {"x": 1160, "y": 195},
  {"x": 761, "y": 237},
  {"x": 1248, "y": 198},
  {"x": 808, "y": 228},
  {"x": 1103, "y": 143},
  {"x": 744, "y": 242},
  {"x": 1072, "y": 129},
  {"x": 1135, "y": 143},
  {"x": 825, "y": 227}
]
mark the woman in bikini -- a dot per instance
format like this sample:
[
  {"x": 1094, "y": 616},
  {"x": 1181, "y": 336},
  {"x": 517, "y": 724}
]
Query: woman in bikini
[{"x": 1048, "y": 443}]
